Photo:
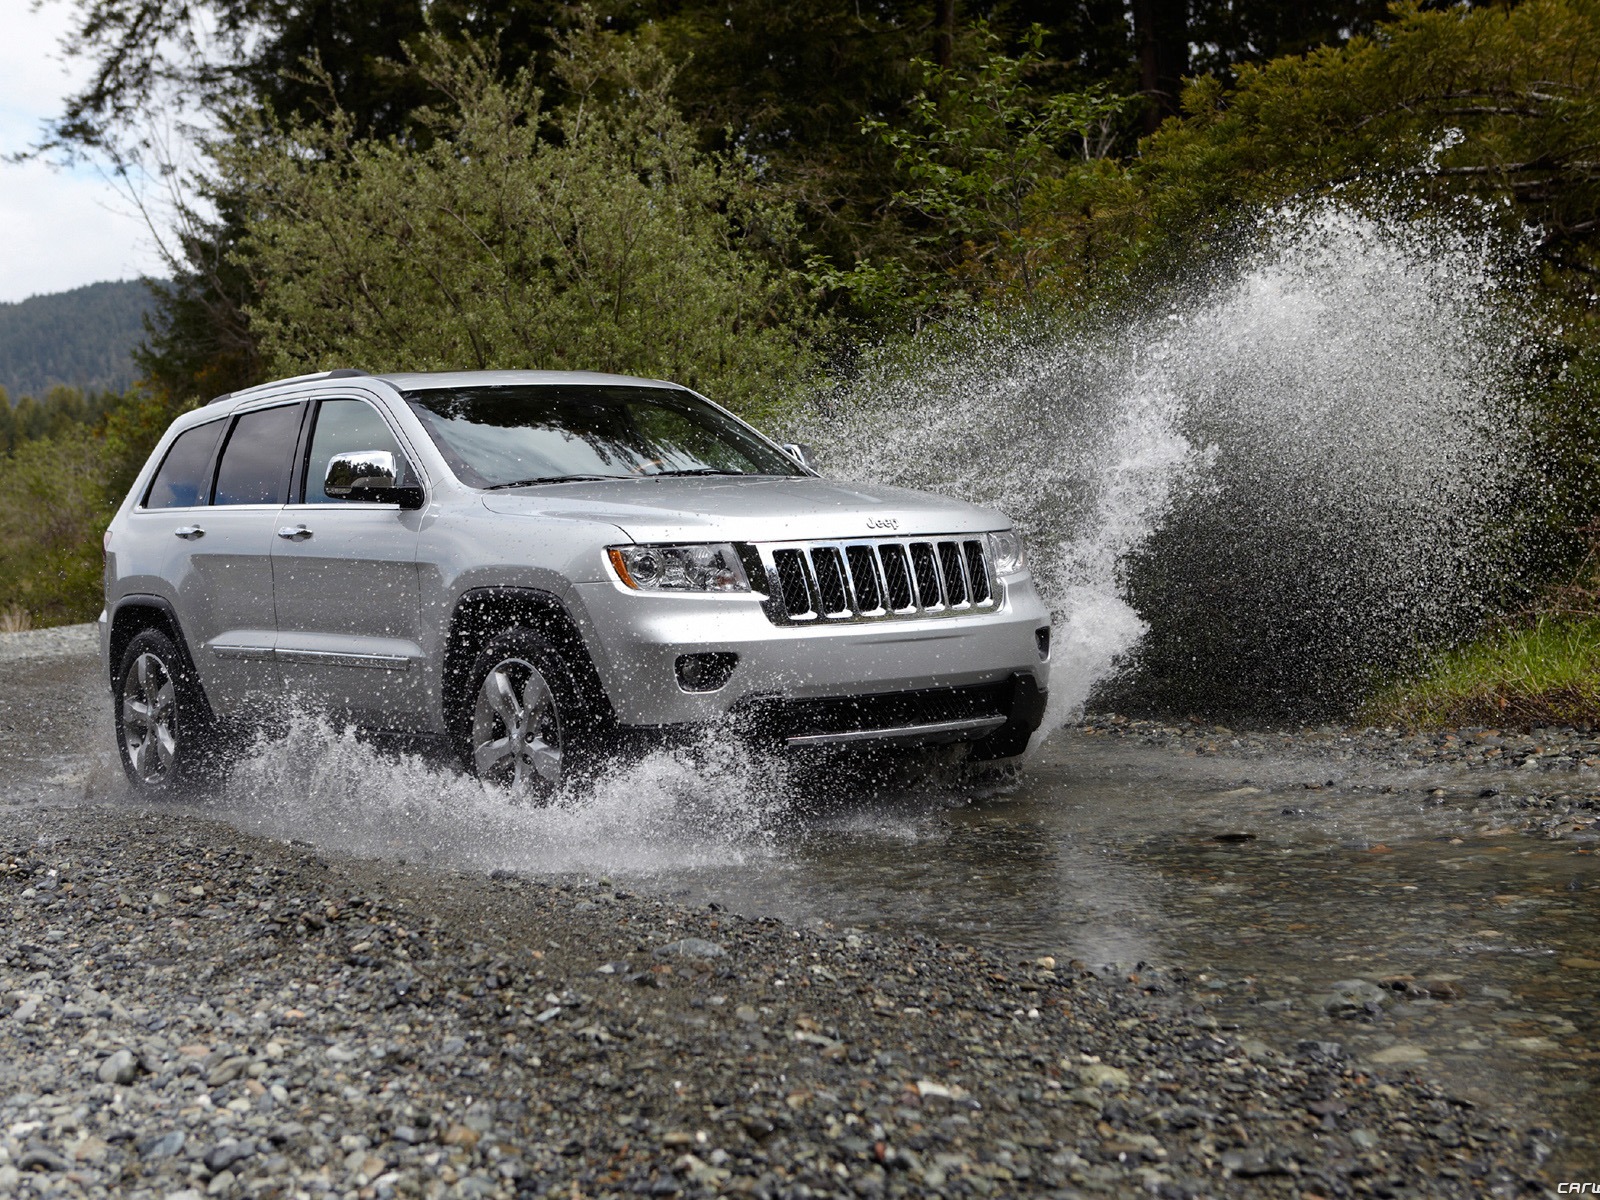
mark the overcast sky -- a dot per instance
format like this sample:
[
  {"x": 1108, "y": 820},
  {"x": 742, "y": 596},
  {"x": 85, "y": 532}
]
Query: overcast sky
[{"x": 58, "y": 228}]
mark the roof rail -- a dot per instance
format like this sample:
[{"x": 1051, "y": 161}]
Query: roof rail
[{"x": 336, "y": 373}]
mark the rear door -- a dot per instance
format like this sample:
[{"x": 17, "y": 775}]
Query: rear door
[
  {"x": 225, "y": 595},
  {"x": 345, "y": 578}
]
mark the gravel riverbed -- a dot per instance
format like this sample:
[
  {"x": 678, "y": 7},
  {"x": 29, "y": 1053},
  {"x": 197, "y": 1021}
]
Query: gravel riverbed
[
  {"x": 187, "y": 1010},
  {"x": 1547, "y": 780}
]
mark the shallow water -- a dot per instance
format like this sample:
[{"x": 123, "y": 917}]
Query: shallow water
[{"x": 1101, "y": 850}]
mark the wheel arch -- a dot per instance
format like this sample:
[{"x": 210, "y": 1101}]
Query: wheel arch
[
  {"x": 482, "y": 614},
  {"x": 137, "y": 613}
]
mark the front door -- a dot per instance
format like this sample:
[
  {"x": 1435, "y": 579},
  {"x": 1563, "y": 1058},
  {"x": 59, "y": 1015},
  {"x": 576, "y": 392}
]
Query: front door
[
  {"x": 226, "y": 593},
  {"x": 345, "y": 577}
]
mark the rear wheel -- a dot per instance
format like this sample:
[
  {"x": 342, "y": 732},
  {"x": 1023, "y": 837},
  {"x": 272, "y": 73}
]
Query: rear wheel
[
  {"x": 163, "y": 727},
  {"x": 528, "y": 729}
]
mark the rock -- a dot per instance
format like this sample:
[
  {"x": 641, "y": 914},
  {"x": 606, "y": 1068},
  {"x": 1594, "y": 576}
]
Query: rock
[
  {"x": 1258, "y": 1051},
  {"x": 227, "y": 1071},
  {"x": 460, "y": 1135},
  {"x": 42, "y": 1158},
  {"x": 1576, "y": 963},
  {"x": 1400, "y": 1052},
  {"x": 746, "y": 1014},
  {"x": 223, "y": 1155},
  {"x": 120, "y": 1068},
  {"x": 1317, "y": 1050},
  {"x": 1125, "y": 1145},
  {"x": 690, "y": 948},
  {"x": 162, "y": 1145},
  {"x": 1252, "y": 1164},
  {"x": 1099, "y": 1075}
]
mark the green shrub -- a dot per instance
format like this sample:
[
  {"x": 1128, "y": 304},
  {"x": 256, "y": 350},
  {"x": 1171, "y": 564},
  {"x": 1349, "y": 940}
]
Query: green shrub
[
  {"x": 598, "y": 236},
  {"x": 53, "y": 510}
]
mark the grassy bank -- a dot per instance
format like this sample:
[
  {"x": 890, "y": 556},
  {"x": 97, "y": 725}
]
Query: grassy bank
[{"x": 1546, "y": 673}]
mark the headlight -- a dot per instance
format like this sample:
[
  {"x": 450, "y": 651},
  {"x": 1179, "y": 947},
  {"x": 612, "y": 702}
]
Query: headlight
[
  {"x": 1005, "y": 550},
  {"x": 714, "y": 568}
]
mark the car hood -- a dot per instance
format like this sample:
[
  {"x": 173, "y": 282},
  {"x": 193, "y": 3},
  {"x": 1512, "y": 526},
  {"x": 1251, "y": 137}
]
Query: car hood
[{"x": 717, "y": 508}]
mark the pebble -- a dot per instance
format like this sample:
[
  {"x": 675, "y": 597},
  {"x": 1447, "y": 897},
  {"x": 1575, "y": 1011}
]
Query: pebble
[
  {"x": 471, "y": 1050},
  {"x": 120, "y": 1067}
]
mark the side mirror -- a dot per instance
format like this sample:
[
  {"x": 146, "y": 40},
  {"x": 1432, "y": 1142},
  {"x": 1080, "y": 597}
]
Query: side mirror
[
  {"x": 801, "y": 453},
  {"x": 368, "y": 476}
]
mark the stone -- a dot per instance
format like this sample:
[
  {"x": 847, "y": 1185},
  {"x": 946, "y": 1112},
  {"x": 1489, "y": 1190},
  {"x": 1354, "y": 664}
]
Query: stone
[
  {"x": 1577, "y": 963},
  {"x": 1400, "y": 1052},
  {"x": 223, "y": 1155},
  {"x": 690, "y": 948},
  {"x": 42, "y": 1158},
  {"x": 227, "y": 1071},
  {"x": 1099, "y": 1075},
  {"x": 162, "y": 1145},
  {"x": 120, "y": 1068}
]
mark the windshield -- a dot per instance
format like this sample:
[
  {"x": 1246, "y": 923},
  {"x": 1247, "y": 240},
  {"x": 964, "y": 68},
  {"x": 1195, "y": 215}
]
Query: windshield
[{"x": 511, "y": 436}]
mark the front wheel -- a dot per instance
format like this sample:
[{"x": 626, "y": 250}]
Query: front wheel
[
  {"x": 162, "y": 723},
  {"x": 528, "y": 727}
]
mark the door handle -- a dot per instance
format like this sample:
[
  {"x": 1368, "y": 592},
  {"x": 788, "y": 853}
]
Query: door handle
[
  {"x": 294, "y": 533},
  {"x": 189, "y": 532}
]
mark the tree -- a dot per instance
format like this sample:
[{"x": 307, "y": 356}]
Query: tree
[
  {"x": 987, "y": 157},
  {"x": 596, "y": 235}
]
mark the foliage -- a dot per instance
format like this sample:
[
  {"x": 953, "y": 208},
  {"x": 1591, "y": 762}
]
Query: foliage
[
  {"x": 62, "y": 410},
  {"x": 1543, "y": 673},
  {"x": 1502, "y": 103},
  {"x": 81, "y": 338},
  {"x": 53, "y": 508},
  {"x": 596, "y": 236},
  {"x": 986, "y": 156}
]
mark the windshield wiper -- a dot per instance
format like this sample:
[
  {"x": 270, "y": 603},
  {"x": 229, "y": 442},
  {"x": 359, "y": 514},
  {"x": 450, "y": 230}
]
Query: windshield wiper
[
  {"x": 695, "y": 471},
  {"x": 495, "y": 487}
]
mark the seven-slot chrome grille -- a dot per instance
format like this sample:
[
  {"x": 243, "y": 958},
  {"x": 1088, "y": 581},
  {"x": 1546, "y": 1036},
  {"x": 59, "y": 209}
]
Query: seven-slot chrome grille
[{"x": 876, "y": 579}]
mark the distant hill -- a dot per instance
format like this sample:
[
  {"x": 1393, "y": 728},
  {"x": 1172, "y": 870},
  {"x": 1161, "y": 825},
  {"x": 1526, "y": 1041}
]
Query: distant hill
[{"x": 83, "y": 338}]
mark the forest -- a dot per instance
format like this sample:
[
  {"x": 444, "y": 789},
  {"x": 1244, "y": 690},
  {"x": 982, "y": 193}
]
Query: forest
[
  {"x": 762, "y": 201},
  {"x": 81, "y": 338}
]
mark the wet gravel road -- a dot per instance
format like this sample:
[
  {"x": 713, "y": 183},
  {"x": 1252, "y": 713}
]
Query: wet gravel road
[{"x": 190, "y": 1002}]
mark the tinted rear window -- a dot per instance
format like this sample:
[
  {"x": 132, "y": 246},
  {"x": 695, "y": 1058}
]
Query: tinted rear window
[
  {"x": 255, "y": 462},
  {"x": 183, "y": 477}
]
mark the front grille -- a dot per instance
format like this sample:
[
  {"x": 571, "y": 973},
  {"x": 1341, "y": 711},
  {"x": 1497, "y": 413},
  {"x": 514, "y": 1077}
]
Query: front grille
[{"x": 879, "y": 579}]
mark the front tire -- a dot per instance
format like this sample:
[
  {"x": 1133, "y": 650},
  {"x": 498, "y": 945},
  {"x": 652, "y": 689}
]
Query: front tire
[
  {"x": 527, "y": 728},
  {"x": 163, "y": 725}
]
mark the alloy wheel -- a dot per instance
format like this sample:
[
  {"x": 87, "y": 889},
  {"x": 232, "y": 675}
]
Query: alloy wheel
[
  {"x": 149, "y": 725},
  {"x": 516, "y": 730}
]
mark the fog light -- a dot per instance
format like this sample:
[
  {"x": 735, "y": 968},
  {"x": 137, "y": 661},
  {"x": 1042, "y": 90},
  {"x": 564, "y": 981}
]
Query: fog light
[
  {"x": 1042, "y": 637},
  {"x": 705, "y": 672}
]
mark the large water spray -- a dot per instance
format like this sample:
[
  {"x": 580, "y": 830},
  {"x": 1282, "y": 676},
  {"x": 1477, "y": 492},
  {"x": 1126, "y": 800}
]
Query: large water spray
[{"x": 1256, "y": 502}]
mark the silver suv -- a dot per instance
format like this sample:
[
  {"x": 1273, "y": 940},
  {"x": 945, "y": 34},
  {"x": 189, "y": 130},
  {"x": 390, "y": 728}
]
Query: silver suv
[{"x": 538, "y": 566}]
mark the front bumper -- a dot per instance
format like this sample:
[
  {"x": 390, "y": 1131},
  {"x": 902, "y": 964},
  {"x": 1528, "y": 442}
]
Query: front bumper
[{"x": 638, "y": 638}]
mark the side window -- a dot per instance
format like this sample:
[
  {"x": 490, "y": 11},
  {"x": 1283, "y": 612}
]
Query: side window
[
  {"x": 255, "y": 462},
  {"x": 344, "y": 426},
  {"x": 181, "y": 480}
]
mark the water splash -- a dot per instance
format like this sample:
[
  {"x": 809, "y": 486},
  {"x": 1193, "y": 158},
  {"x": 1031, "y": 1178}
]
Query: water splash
[
  {"x": 701, "y": 806},
  {"x": 1259, "y": 498}
]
